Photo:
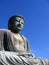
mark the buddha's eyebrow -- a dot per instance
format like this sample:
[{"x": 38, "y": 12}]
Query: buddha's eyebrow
[
  {"x": 16, "y": 20},
  {"x": 19, "y": 20}
]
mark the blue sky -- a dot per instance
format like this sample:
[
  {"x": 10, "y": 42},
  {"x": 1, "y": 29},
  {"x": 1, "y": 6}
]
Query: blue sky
[{"x": 36, "y": 27}]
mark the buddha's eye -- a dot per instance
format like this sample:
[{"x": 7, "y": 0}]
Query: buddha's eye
[
  {"x": 16, "y": 20},
  {"x": 22, "y": 23}
]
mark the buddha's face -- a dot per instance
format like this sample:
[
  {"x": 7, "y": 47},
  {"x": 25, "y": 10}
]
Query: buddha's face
[{"x": 18, "y": 23}]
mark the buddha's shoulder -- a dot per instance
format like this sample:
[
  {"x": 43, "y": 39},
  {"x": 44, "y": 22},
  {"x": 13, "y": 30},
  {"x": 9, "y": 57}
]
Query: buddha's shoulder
[{"x": 5, "y": 30}]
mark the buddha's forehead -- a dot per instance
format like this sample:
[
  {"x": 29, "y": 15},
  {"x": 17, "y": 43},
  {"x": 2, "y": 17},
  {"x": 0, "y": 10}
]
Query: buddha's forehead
[{"x": 19, "y": 19}]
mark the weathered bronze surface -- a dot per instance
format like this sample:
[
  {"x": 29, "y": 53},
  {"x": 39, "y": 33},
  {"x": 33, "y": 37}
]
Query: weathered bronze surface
[{"x": 14, "y": 47}]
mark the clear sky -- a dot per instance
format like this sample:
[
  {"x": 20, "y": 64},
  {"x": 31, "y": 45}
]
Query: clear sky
[{"x": 36, "y": 27}]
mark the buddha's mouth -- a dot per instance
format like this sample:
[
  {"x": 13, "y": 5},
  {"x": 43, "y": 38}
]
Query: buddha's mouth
[{"x": 19, "y": 26}]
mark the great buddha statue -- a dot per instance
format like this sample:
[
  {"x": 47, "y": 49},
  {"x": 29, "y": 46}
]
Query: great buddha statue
[{"x": 14, "y": 47}]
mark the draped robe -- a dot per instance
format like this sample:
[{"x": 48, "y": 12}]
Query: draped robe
[{"x": 15, "y": 51}]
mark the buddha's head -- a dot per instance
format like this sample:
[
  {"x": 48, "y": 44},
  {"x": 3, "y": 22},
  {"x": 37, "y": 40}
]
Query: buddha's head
[{"x": 15, "y": 23}]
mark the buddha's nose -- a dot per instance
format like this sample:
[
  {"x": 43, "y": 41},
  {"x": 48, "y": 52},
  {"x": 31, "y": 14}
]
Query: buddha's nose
[{"x": 19, "y": 25}]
